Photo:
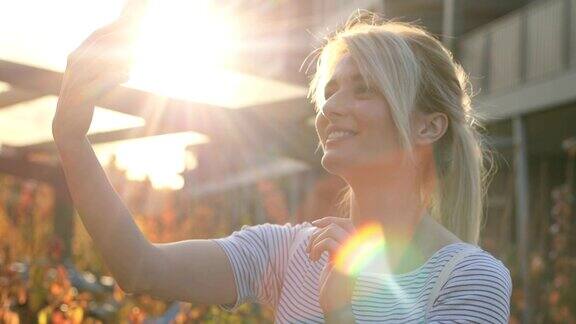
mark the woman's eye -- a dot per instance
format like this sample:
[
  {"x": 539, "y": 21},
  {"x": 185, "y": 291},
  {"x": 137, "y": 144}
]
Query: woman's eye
[
  {"x": 360, "y": 90},
  {"x": 363, "y": 90}
]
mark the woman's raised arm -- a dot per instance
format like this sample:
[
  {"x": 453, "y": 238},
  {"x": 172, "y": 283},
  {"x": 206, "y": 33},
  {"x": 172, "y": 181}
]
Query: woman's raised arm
[{"x": 195, "y": 270}]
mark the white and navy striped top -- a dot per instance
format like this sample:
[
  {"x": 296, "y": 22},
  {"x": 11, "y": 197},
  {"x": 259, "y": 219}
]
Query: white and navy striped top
[{"x": 271, "y": 269}]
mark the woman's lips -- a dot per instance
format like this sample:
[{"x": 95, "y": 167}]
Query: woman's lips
[{"x": 331, "y": 140}]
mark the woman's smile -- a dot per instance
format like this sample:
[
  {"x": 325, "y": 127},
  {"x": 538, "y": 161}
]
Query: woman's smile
[{"x": 338, "y": 134}]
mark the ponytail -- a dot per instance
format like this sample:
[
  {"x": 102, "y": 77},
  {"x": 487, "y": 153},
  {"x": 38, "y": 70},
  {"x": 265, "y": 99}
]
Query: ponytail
[{"x": 457, "y": 203}]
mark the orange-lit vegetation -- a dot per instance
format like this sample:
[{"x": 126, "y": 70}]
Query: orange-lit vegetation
[{"x": 36, "y": 283}]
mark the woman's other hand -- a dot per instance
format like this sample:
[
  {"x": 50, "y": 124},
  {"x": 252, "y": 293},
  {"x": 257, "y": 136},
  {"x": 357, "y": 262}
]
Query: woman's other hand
[{"x": 335, "y": 286}]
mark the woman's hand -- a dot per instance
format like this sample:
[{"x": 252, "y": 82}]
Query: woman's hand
[
  {"x": 335, "y": 286},
  {"x": 100, "y": 64}
]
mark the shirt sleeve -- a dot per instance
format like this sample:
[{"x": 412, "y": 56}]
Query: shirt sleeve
[
  {"x": 478, "y": 291},
  {"x": 258, "y": 256}
]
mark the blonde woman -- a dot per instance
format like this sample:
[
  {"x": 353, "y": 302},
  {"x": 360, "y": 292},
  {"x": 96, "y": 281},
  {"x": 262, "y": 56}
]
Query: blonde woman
[{"x": 394, "y": 121}]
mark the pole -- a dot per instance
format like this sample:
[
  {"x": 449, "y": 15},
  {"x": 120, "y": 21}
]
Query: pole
[{"x": 522, "y": 209}]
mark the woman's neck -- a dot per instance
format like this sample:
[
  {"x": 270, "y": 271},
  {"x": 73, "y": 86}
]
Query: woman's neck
[{"x": 393, "y": 199}]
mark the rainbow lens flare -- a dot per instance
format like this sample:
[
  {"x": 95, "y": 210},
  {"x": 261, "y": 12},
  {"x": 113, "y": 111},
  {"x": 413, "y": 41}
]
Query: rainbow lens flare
[{"x": 361, "y": 249}]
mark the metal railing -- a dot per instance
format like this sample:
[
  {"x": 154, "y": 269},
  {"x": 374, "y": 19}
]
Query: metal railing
[{"x": 532, "y": 43}]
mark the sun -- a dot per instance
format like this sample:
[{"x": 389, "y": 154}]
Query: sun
[
  {"x": 180, "y": 49},
  {"x": 183, "y": 46}
]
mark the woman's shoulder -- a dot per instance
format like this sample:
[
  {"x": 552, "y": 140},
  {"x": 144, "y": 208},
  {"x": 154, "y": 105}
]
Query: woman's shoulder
[
  {"x": 472, "y": 270},
  {"x": 478, "y": 288},
  {"x": 478, "y": 260},
  {"x": 286, "y": 227},
  {"x": 268, "y": 232},
  {"x": 471, "y": 259}
]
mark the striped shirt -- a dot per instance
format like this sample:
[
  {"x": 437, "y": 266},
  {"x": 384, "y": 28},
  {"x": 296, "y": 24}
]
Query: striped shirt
[{"x": 271, "y": 267}]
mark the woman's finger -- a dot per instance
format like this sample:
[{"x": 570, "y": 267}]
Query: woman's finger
[
  {"x": 314, "y": 235},
  {"x": 115, "y": 37},
  {"x": 112, "y": 54},
  {"x": 112, "y": 48},
  {"x": 124, "y": 28},
  {"x": 98, "y": 33},
  {"x": 332, "y": 230},
  {"x": 327, "y": 244},
  {"x": 88, "y": 44},
  {"x": 334, "y": 233},
  {"x": 345, "y": 223}
]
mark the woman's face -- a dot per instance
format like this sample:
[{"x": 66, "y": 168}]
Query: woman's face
[{"x": 355, "y": 125}]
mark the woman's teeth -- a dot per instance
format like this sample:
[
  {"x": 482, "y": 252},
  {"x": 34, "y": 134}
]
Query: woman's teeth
[{"x": 340, "y": 135}]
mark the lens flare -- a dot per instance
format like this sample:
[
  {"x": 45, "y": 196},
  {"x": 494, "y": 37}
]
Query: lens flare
[
  {"x": 368, "y": 247},
  {"x": 361, "y": 249}
]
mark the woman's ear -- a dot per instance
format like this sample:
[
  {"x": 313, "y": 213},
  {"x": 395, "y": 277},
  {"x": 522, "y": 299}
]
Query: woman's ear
[{"x": 429, "y": 127}]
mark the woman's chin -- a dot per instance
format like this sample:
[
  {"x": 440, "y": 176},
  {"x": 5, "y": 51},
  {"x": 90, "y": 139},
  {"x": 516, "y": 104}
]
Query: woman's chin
[
  {"x": 336, "y": 164},
  {"x": 349, "y": 164}
]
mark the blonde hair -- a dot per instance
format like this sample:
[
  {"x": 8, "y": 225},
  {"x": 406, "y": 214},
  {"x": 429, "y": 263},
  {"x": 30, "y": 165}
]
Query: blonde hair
[{"x": 414, "y": 71}]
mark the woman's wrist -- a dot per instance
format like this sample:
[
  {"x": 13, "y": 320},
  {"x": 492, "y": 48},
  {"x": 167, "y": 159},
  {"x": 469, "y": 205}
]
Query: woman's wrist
[{"x": 64, "y": 143}]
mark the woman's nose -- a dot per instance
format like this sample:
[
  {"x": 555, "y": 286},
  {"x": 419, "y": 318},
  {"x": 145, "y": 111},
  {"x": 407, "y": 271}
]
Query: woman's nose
[{"x": 335, "y": 106}]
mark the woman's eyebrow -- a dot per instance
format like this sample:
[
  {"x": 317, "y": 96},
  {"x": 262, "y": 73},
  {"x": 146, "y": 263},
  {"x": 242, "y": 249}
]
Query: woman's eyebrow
[{"x": 354, "y": 78}]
